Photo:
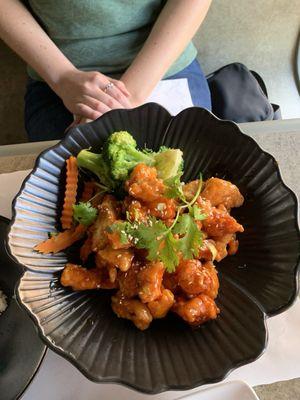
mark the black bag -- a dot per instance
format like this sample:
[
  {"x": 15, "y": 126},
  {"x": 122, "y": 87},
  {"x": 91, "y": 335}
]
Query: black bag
[{"x": 240, "y": 95}]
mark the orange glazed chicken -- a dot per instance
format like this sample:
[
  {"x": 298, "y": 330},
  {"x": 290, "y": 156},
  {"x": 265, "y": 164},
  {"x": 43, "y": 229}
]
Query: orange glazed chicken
[{"x": 146, "y": 236}]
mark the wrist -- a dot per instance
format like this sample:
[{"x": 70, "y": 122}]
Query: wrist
[
  {"x": 138, "y": 94},
  {"x": 57, "y": 80}
]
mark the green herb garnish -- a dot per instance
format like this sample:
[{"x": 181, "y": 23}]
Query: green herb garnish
[
  {"x": 164, "y": 243},
  {"x": 84, "y": 213}
]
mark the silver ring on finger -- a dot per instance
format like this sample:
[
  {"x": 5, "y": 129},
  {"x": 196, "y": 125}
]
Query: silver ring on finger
[{"x": 107, "y": 87}]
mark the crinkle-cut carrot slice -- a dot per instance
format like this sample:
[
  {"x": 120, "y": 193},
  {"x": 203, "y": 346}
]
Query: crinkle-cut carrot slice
[
  {"x": 62, "y": 240},
  {"x": 70, "y": 192},
  {"x": 88, "y": 191}
]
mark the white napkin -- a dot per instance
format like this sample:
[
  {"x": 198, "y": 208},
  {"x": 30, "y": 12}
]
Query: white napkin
[
  {"x": 58, "y": 379},
  {"x": 173, "y": 94}
]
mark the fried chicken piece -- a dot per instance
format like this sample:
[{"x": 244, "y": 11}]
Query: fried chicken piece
[
  {"x": 119, "y": 258},
  {"x": 196, "y": 311},
  {"x": 170, "y": 281},
  {"x": 212, "y": 291},
  {"x": 190, "y": 189},
  {"x": 207, "y": 250},
  {"x": 86, "y": 249},
  {"x": 233, "y": 246},
  {"x": 195, "y": 278},
  {"x": 128, "y": 280},
  {"x": 114, "y": 240},
  {"x": 136, "y": 211},
  {"x": 80, "y": 278},
  {"x": 149, "y": 281},
  {"x": 160, "y": 307},
  {"x": 112, "y": 273},
  {"x": 217, "y": 222},
  {"x": 221, "y": 245},
  {"x": 108, "y": 213},
  {"x": 162, "y": 208},
  {"x": 132, "y": 309},
  {"x": 143, "y": 184},
  {"x": 218, "y": 191}
]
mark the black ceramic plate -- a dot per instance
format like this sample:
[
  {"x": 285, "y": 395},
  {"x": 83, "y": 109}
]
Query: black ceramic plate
[
  {"x": 259, "y": 281},
  {"x": 21, "y": 349}
]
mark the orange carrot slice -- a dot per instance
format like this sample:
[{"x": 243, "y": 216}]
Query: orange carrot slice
[
  {"x": 62, "y": 240},
  {"x": 88, "y": 191},
  {"x": 70, "y": 193}
]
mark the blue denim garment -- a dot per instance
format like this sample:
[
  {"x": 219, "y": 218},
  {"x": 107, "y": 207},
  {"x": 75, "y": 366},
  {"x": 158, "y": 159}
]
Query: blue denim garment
[
  {"x": 198, "y": 85},
  {"x": 46, "y": 117}
]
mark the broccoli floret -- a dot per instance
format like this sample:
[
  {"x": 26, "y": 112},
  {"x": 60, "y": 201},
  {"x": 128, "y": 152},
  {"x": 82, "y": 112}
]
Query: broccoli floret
[
  {"x": 96, "y": 164},
  {"x": 122, "y": 155},
  {"x": 168, "y": 162}
]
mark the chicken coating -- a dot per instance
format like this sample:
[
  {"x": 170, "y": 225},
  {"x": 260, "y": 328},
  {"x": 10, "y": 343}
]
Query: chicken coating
[
  {"x": 135, "y": 210},
  {"x": 132, "y": 309},
  {"x": 197, "y": 310},
  {"x": 149, "y": 281},
  {"x": 80, "y": 278},
  {"x": 144, "y": 185},
  {"x": 160, "y": 307},
  {"x": 119, "y": 258},
  {"x": 86, "y": 248},
  {"x": 233, "y": 246},
  {"x": 190, "y": 189},
  {"x": 227, "y": 244},
  {"x": 108, "y": 213},
  {"x": 218, "y": 191},
  {"x": 207, "y": 250},
  {"x": 212, "y": 291},
  {"x": 195, "y": 278},
  {"x": 162, "y": 208},
  {"x": 112, "y": 273},
  {"x": 217, "y": 222},
  {"x": 128, "y": 280},
  {"x": 114, "y": 239},
  {"x": 144, "y": 289},
  {"x": 170, "y": 281}
]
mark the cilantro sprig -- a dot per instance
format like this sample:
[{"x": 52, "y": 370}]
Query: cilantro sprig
[
  {"x": 84, "y": 213},
  {"x": 165, "y": 243}
]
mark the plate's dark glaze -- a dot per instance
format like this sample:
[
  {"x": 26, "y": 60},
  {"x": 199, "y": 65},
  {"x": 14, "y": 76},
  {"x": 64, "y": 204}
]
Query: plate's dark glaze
[
  {"x": 260, "y": 281},
  {"x": 21, "y": 349}
]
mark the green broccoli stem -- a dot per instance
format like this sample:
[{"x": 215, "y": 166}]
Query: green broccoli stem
[
  {"x": 140, "y": 157},
  {"x": 95, "y": 163},
  {"x": 87, "y": 159}
]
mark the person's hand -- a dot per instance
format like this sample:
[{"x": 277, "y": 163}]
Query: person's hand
[{"x": 88, "y": 96}]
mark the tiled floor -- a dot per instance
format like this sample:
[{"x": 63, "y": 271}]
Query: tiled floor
[{"x": 261, "y": 33}]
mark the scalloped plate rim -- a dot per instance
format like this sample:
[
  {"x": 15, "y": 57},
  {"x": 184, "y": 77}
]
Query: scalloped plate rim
[{"x": 265, "y": 315}]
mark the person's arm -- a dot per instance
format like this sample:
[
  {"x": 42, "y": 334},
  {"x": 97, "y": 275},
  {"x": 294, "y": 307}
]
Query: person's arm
[
  {"x": 80, "y": 91},
  {"x": 174, "y": 28}
]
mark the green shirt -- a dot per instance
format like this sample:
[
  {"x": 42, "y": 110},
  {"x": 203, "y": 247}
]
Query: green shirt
[{"x": 103, "y": 35}]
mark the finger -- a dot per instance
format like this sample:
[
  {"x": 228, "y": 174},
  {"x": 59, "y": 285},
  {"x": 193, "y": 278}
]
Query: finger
[
  {"x": 95, "y": 104},
  {"x": 87, "y": 112},
  {"x": 113, "y": 97},
  {"x": 119, "y": 96},
  {"x": 84, "y": 121},
  {"x": 105, "y": 98},
  {"x": 121, "y": 85}
]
